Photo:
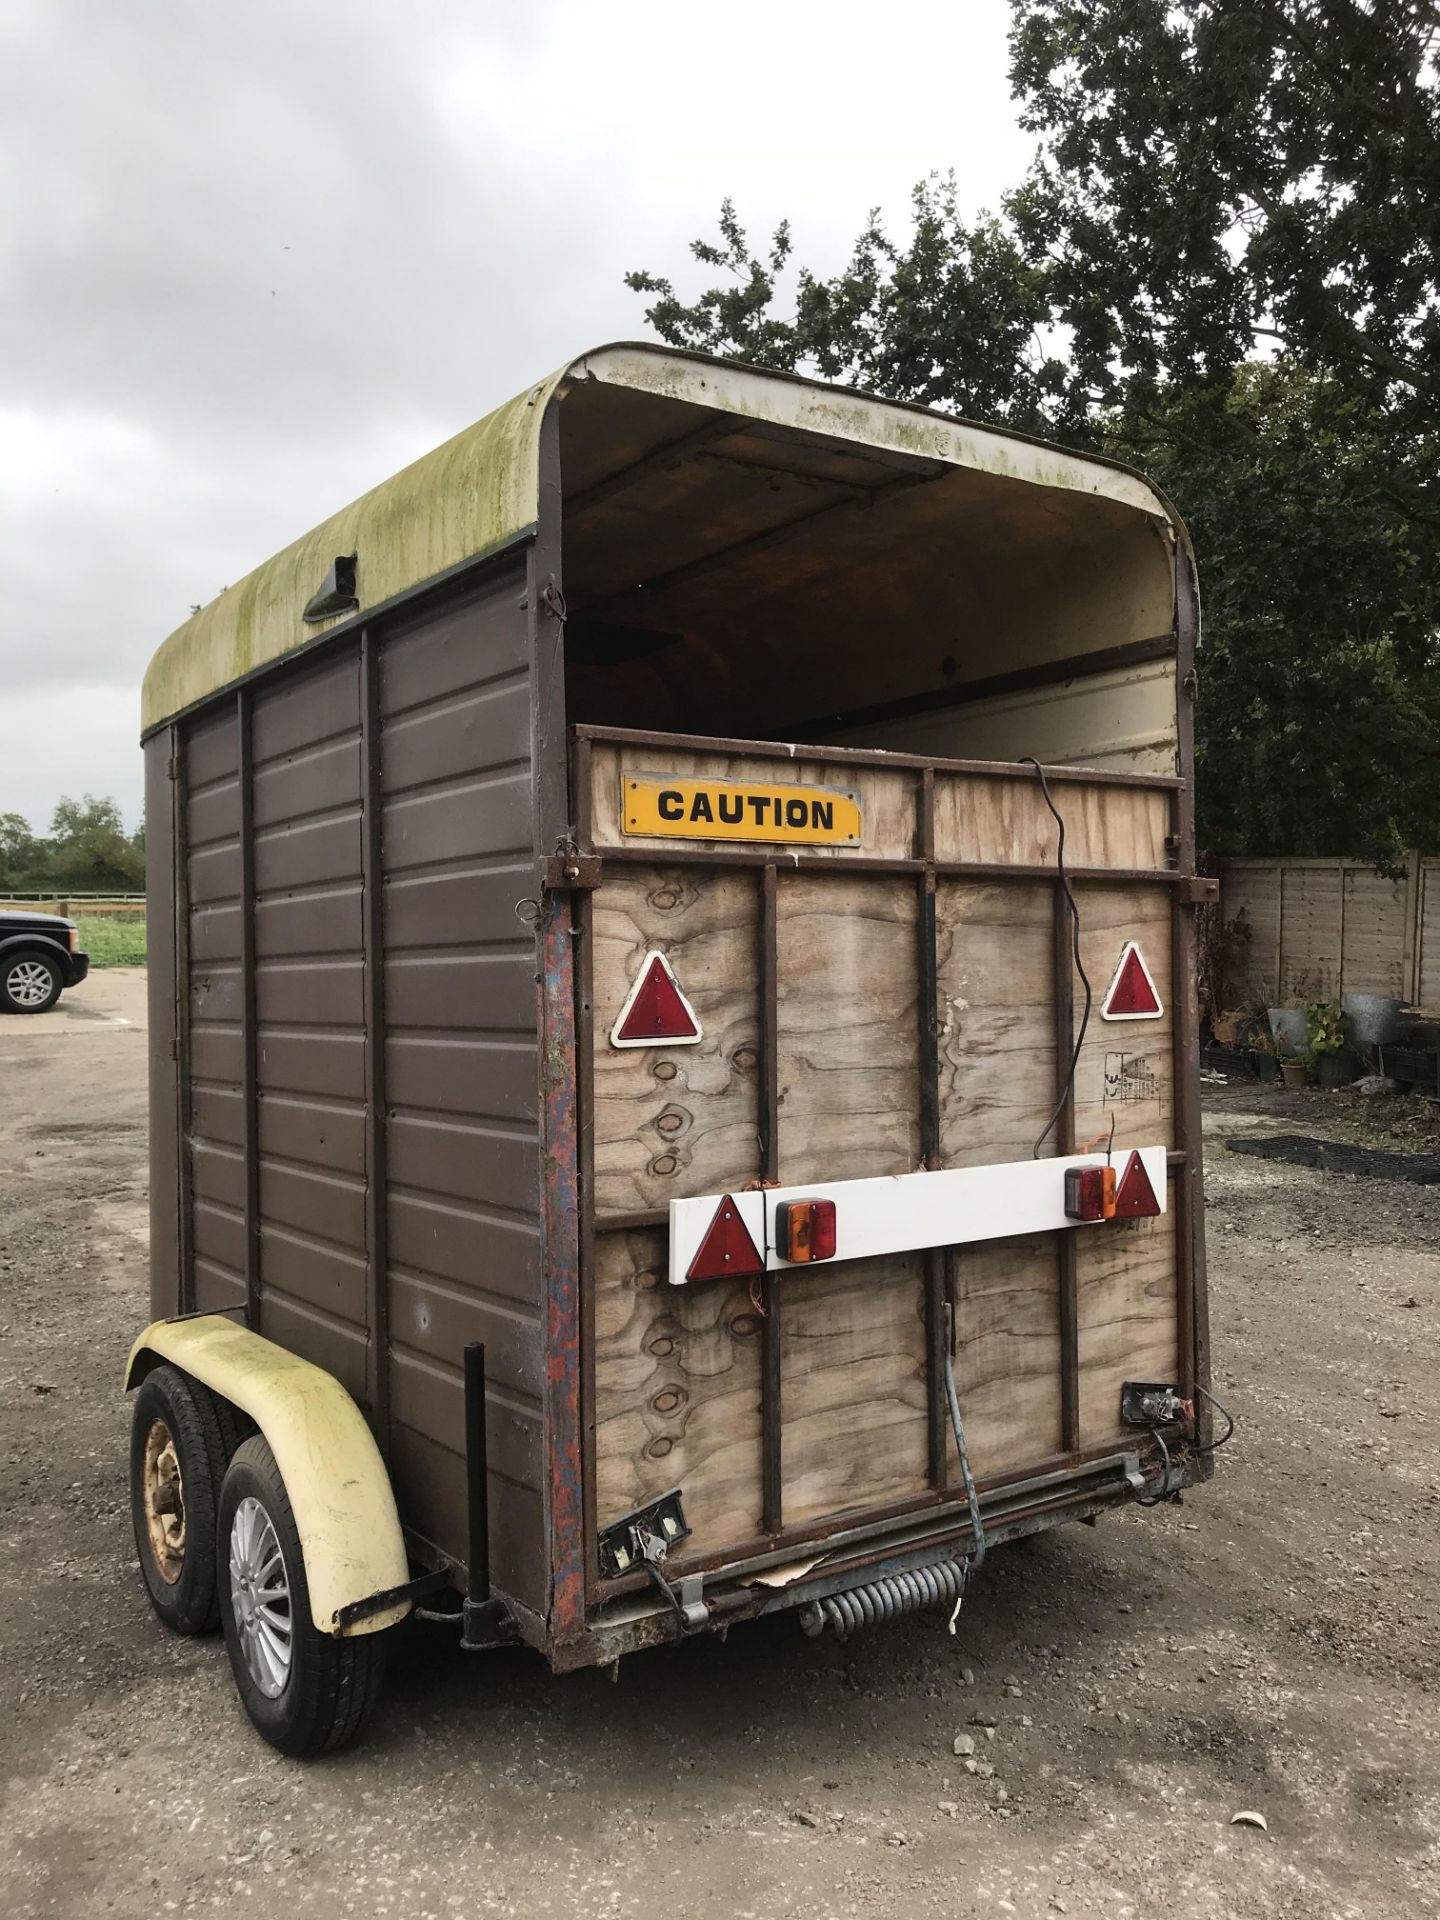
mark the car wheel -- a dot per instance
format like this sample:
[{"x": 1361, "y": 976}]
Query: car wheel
[
  {"x": 305, "y": 1691},
  {"x": 177, "y": 1465},
  {"x": 30, "y": 982}
]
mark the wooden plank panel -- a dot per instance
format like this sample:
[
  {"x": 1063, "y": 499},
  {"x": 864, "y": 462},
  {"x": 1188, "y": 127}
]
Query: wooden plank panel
[
  {"x": 887, "y": 797},
  {"x": 1007, "y": 822},
  {"x": 848, "y": 1036},
  {"x": 1310, "y": 934},
  {"x": 1428, "y": 959},
  {"x": 1127, "y": 1067},
  {"x": 852, "y": 1361},
  {"x": 1128, "y": 1328},
  {"x": 1007, "y": 1370},
  {"x": 1376, "y": 907},
  {"x": 677, "y": 1393},
  {"x": 673, "y": 1122},
  {"x": 1250, "y": 902},
  {"x": 997, "y": 1019}
]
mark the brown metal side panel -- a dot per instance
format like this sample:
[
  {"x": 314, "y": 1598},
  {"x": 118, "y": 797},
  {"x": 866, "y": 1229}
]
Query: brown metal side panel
[
  {"x": 309, "y": 1056},
  {"x": 160, "y": 887},
  {"x": 213, "y": 984},
  {"x": 461, "y": 1070}
]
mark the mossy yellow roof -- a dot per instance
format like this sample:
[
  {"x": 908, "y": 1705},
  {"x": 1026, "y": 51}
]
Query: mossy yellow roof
[{"x": 480, "y": 491}]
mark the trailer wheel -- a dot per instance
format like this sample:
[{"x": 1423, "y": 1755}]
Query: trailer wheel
[
  {"x": 177, "y": 1463},
  {"x": 305, "y": 1691}
]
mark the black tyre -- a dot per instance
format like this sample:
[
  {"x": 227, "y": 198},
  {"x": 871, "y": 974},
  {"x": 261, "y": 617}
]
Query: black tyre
[
  {"x": 304, "y": 1690},
  {"x": 177, "y": 1465},
  {"x": 30, "y": 981}
]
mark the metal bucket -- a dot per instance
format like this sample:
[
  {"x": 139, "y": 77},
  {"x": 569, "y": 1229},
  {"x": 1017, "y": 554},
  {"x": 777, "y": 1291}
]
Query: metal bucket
[
  {"x": 1289, "y": 1026},
  {"x": 1374, "y": 1018}
]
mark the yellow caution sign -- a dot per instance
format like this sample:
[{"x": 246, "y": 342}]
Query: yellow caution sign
[{"x": 677, "y": 808}]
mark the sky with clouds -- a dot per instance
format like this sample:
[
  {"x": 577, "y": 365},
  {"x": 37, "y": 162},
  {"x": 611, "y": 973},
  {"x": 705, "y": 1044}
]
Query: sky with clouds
[{"x": 255, "y": 258}]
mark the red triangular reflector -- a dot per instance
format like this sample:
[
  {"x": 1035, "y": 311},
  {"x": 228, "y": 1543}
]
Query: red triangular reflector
[
  {"x": 1135, "y": 1197},
  {"x": 727, "y": 1247},
  {"x": 1132, "y": 992},
  {"x": 656, "y": 1011}
]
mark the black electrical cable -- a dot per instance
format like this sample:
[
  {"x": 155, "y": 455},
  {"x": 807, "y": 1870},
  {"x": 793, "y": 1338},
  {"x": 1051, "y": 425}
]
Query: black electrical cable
[
  {"x": 971, "y": 1496},
  {"x": 1158, "y": 1499},
  {"x": 1225, "y": 1415},
  {"x": 1029, "y": 760}
]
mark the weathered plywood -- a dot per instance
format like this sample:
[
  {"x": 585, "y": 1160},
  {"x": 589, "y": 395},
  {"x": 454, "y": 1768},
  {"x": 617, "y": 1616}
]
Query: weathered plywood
[
  {"x": 852, "y": 1367},
  {"x": 1427, "y": 958},
  {"x": 848, "y": 1039},
  {"x": 677, "y": 1392},
  {"x": 887, "y": 795},
  {"x": 1006, "y": 822},
  {"x": 1007, "y": 1369},
  {"x": 1127, "y": 1316},
  {"x": 995, "y": 948},
  {"x": 671, "y": 1122},
  {"x": 1126, "y": 1067}
]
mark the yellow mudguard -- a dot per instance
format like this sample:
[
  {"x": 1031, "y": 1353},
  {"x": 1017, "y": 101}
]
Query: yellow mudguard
[{"x": 339, "y": 1489}]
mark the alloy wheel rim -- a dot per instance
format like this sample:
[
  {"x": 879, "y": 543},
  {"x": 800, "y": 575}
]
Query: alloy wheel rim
[
  {"x": 28, "y": 982},
  {"x": 260, "y": 1598},
  {"x": 164, "y": 1493}
]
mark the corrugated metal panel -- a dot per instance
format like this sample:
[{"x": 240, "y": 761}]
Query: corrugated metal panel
[
  {"x": 215, "y": 1095},
  {"x": 461, "y": 1069},
  {"x": 310, "y": 1031}
]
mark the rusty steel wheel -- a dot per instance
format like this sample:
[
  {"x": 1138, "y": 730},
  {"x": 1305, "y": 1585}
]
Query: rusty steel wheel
[
  {"x": 164, "y": 1497},
  {"x": 179, "y": 1449}
]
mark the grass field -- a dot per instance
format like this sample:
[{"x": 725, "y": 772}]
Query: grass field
[{"x": 112, "y": 943}]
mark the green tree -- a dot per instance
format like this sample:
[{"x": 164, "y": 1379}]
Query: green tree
[
  {"x": 90, "y": 850},
  {"x": 20, "y": 853},
  {"x": 1217, "y": 181}
]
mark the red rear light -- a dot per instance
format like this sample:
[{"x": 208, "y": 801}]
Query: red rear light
[
  {"x": 805, "y": 1230},
  {"x": 1089, "y": 1193}
]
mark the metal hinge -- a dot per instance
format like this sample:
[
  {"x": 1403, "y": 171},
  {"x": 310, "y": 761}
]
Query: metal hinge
[
  {"x": 576, "y": 870},
  {"x": 1199, "y": 890}
]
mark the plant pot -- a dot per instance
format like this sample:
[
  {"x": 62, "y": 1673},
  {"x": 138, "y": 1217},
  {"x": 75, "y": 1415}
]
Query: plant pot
[
  {"x": 1295, "y": 1073},
  {"x": 1267, "y": 1067},
  {"x": 1374, "y": 1018},
  {"x": 1335, "y": 1069}
]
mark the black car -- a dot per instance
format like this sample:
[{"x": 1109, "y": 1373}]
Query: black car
[{"x": 38, "y": 960}]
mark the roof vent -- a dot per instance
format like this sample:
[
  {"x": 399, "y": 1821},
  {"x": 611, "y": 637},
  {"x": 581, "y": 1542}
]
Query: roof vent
[{"x": 337, "y": 590}]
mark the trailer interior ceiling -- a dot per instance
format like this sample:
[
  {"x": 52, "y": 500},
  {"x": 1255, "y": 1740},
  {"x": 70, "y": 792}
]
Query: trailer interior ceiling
[{"x": 731, "y": 574}]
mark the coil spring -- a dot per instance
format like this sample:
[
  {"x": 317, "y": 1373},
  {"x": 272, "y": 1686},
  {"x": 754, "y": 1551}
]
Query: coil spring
[{"x": 886, "y": 1598}]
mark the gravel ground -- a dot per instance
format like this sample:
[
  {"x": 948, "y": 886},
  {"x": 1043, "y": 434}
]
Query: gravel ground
[{"x": 1269, "y": 1646}]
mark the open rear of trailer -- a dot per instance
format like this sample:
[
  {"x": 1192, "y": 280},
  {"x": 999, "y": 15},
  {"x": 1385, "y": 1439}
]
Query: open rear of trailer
[{"x": 649, "y": 1125}]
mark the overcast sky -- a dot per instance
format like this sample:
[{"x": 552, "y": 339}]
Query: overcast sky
[{"x": 255, "y": 258}]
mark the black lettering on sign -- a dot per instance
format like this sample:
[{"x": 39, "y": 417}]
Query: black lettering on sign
[
  {"x": 758, "y": 804},
  {"x": 700, "y": 808},
  {"x": 822, "y": 814},
  {"x": 731, "y": 819},
  {"x": 797, "y": 813},
  {"x": 671, "y": 804}
]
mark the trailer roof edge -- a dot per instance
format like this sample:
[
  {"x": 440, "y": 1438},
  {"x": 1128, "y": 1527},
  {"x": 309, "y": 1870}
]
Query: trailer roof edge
[{"x": 477, "y": 491}]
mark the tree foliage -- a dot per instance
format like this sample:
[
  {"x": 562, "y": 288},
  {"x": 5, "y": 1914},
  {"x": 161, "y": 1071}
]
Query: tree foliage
[
  {"x": 1222, "y": 266},
  {"x": 87, "y": 851}
]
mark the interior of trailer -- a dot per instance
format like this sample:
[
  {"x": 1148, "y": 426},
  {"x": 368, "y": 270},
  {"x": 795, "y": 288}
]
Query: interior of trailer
[{"x": 735, "y": 576}]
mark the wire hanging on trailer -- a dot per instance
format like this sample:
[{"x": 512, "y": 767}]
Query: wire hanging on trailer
[{"x": 1029, "y": 760}]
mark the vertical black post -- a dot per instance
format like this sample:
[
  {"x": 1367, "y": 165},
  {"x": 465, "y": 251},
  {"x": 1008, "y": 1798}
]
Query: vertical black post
[
  {"x": 772, "y": 1475},
  {"x": 477, "y": 1477},
  {"x": 939, "y": 1261}
]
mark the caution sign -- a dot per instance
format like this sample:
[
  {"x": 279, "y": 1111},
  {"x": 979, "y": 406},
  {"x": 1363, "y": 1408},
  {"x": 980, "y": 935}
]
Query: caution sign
[
  {"x": 656, "y": 1012},
  {"x": 1132, "y": 994},
  {"x": 679, "y": 808}
]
